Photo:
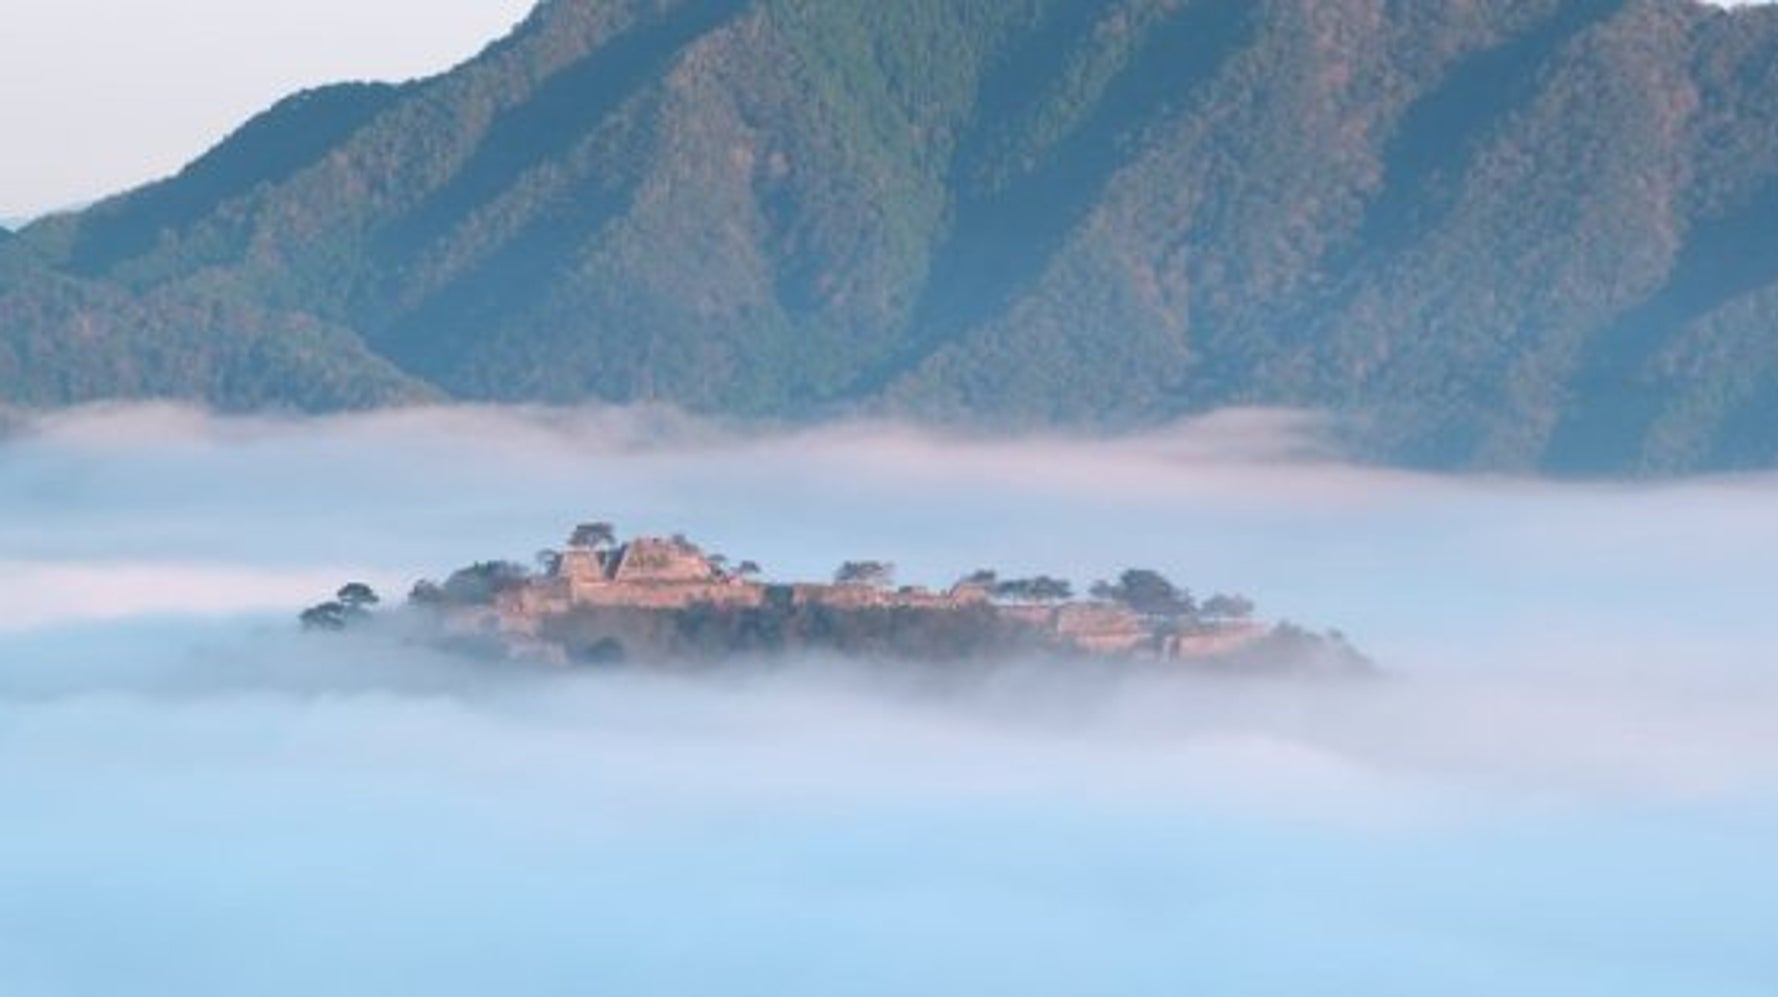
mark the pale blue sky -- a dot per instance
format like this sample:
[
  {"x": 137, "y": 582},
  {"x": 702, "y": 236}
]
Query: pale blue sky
[{"x": 99, "y": 95}]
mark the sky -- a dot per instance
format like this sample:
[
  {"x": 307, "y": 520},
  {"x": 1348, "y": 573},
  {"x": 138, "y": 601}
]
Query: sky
[
  {"x": 1564, "y": 784},
  {"x": 97, "y": 96}
]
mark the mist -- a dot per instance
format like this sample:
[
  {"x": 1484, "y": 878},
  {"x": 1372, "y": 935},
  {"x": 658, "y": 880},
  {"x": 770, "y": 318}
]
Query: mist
[{"x": 1566, "y": 781}]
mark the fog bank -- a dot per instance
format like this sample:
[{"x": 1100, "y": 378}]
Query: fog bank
[{"x": 1567, "y": 784}]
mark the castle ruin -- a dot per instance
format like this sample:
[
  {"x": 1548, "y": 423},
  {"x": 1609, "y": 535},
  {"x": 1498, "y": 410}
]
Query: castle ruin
[{"x": 674, "y": 574}]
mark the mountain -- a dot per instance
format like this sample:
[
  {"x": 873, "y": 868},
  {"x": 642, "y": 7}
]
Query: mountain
[{"x": 1509, "y": 234}]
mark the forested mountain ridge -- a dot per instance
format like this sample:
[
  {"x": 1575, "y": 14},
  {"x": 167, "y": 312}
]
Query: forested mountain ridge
[{"x": 1511, "y": 234}]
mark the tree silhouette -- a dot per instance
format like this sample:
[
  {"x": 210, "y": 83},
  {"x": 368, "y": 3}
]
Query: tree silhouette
[
  {"x": 1228, "y": 607},
  {"x": 875, "y": 574},
  {"x": 426, "y": 593},
  {"x": 593, "y": 536},
  {"x": 330, "y": 617},
  {"x": 1042, "y": 588},
  {"x": 358, "y": 596},
  {"x": 1147, "y": 592},
  {"x": 350, "y": 605},
  {"x": 479, "y": 584}
]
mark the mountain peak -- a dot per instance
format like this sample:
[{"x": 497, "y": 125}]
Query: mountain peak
[{"x": 1512, "y": 235}]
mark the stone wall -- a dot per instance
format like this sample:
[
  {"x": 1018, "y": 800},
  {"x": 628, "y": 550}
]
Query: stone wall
[
  {"x": 1102, "y": 628},
  {"x": 581, "y": 566},
  {"x": 650, "y": 561},
  {"x": 1215, "y": 641},
  {"x": 853, "y": 597},
  {"x": 669, "y": 596},
  {"x": 671, "y": 575}
]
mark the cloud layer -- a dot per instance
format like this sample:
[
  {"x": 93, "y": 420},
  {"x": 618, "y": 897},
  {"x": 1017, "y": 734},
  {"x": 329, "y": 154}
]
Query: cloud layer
[{"x": 1566, "y": 787}]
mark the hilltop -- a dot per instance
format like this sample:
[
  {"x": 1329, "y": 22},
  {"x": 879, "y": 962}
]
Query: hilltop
[
  {"x": 654, "y": 600},
  {"x": 1516, "y": 234}
]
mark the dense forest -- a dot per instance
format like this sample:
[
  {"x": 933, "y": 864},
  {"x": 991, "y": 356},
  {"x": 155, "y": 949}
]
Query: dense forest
[{"x": 1510, "y": 234}]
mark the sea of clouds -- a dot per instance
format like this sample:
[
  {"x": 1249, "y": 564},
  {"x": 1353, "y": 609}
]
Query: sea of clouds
[{"x": 1566, "y": 784}]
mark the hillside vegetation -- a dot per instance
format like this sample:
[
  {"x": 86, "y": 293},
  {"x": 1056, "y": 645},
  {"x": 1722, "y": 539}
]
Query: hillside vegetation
[{"x": 1508, "y": 234}]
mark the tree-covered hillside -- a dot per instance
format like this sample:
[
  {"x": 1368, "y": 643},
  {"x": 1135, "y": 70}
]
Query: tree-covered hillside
[{"x": 1507, "y": 233}]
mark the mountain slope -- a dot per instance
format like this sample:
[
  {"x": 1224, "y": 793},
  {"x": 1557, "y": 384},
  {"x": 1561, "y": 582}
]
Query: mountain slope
[
  {"x": 105, "y": 343},
  {"x": 1522, "y": 233}
]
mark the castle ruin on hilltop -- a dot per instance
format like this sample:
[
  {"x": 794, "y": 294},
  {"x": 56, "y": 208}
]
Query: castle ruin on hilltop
[
  {"x": 674, "y": 573},
  {"x": 668, "y": 575}
]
